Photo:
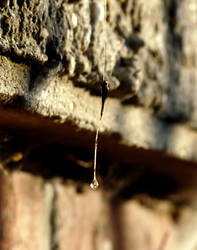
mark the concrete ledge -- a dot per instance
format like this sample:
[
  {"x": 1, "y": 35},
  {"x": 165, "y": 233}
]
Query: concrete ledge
[{"x": 131, "y": 136}]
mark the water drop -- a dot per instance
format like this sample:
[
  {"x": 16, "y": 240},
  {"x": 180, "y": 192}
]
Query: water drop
[{"x": 94, "y": 184}]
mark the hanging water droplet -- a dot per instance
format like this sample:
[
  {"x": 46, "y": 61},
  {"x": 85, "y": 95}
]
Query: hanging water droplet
[
  {"x": 104, "y": 91},
  {"x": 94, "y": 184}
]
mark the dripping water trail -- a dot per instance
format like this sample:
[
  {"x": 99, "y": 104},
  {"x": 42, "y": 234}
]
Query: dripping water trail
[
  {"x": 94, "y": 184},
  {"x": 105, "y": 88}
]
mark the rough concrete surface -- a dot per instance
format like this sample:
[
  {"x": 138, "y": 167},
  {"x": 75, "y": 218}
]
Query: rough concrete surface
[{"x": 157, "y": 46}]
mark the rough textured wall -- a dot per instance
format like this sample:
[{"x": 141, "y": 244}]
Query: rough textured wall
[
  {"x": 51, "y": 66},
  {"x": 64, "y": 47},
  {"x": 157, "y": 38}
]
